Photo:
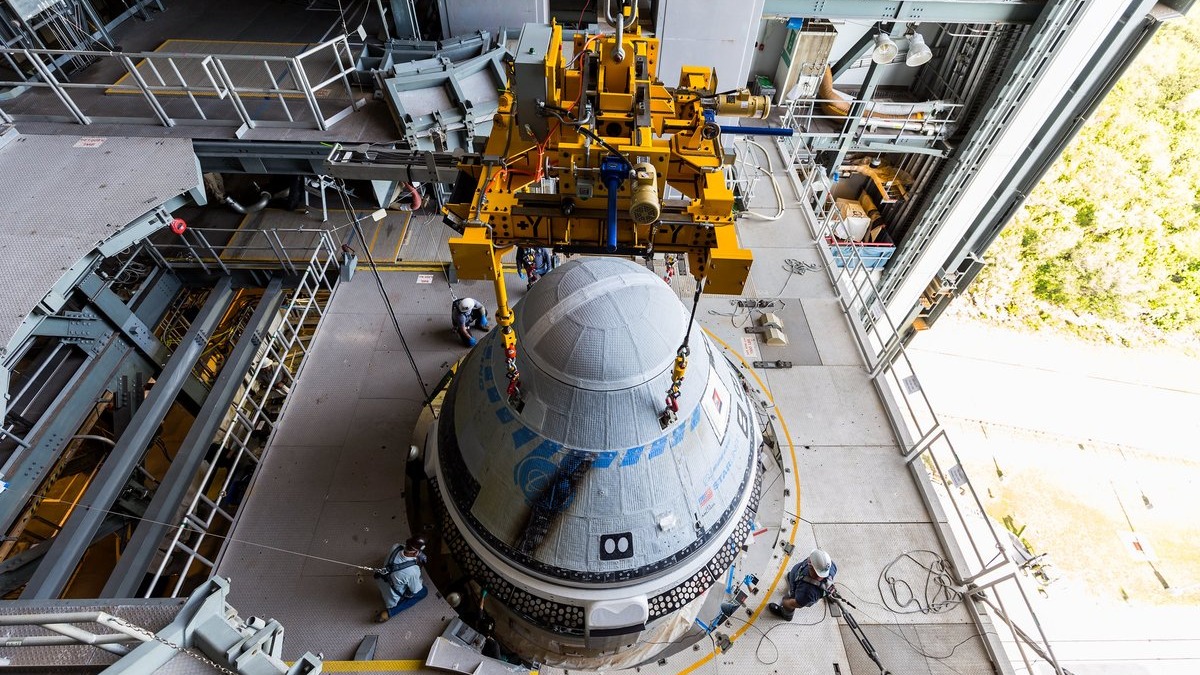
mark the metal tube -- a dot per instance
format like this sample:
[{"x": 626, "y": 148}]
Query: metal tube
[
  {"x": 155, "y": 106},
  {"x": 54, "y": 85},
  {"x": 216, "y": 256},
  {"x": 87, "y": 637},
  {"x": 60, "y": 640},
  {"x": 614, "y": 184},
  {"x": 309, "y": 95},
  {"x": 757, "y": 131}
]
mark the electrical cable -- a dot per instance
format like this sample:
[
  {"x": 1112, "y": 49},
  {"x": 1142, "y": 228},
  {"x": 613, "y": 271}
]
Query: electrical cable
[
  {"x": 940, "y": 594},
  {"x": 581, "y": 127},
  {"x": 796, "y": 268},
  {"x": 766, "y": 634},
  {"x": 917, "y": 649},
  {"x": 387, "y": 301},
  {"x": 579, "y": 23}
]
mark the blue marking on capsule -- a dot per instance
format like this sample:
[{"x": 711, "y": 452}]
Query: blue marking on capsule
[
  {"x": 603, "y": 460},
  {"x": 522, "y": 436},
  {"x": 632, "y": 456}
]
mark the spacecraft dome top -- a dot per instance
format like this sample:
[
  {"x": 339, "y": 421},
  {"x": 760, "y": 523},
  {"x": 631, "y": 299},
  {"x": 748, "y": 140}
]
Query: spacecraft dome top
[
  {"x": 579, "y": 484},
  {"x": 605, "y": 325}
]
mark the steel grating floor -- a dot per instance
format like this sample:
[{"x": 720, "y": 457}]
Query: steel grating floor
[
  {"x": 115, "y": 181},
  {"x": 331, "y": 485}
]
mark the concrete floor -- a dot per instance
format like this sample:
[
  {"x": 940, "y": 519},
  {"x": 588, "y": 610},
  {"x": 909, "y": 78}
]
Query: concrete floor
[{"x": 332, "y": 480}]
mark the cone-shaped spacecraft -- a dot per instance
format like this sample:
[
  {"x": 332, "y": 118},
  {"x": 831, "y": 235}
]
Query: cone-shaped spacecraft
[{"x": 595, "y": 529}]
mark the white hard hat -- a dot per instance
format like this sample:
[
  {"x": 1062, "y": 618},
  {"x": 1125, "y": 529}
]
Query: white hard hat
[{"x": 820, "y": 562}]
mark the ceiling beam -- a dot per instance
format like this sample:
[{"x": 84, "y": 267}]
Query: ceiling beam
[{"x": 933, "y": 11}]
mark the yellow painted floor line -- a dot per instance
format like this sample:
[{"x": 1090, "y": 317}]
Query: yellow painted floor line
[
  {"x": 419, "y": 266},
  {"x": 791, "y": 538},
  {"x": 396, "y": 665},
  {"x": 403, "y": 236}
]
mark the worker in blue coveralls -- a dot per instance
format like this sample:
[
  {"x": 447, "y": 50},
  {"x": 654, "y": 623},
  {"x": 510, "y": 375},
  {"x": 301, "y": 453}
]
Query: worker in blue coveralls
[
  {"x": 534, "y": 263},
  {"x": 465, "y": 314},
  {"x": 399, "y": 580},
  {"x": 809, "y": 581}
]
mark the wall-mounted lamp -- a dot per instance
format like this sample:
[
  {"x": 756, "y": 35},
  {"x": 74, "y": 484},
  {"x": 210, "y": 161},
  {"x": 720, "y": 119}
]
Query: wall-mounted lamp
[
  {"x": 885, "y": 49},
  {"x": 918, "y": 52}
]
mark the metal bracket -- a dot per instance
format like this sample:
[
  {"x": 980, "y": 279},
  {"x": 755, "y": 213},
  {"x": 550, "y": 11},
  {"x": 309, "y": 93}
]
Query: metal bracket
[{"x": 773, "y": 364}]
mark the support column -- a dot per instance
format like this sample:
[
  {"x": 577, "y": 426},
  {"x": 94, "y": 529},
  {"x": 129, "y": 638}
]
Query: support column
[
  {"x": 854, "y": 118},
  {"x": 73, "y": 540},
  {"x": 140, "y": 335}
]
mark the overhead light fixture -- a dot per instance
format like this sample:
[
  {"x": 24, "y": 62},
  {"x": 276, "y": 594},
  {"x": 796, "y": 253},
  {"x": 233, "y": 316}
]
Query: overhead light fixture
[
  {"x": 885, "y": 49},
  {"x": 919, "y": 53}
]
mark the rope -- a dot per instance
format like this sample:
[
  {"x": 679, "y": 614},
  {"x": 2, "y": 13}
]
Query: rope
[
  {"x": 383, "y": 294},
  {"x": 122, "y": 514}
]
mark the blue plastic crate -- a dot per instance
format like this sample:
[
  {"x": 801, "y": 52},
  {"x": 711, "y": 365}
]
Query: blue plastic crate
[{"x": 873, "y": 256}]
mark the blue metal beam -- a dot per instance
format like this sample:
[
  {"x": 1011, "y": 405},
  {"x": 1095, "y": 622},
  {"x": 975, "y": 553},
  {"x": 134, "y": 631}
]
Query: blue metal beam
[
  {"x": 131, "y": 326},
  {"x": 76, "y": 535},
  {"x": 138, "y": 553},
  {"x": 62, "y": 422},
  {"x": 853, "y": 54},
  {"x": 78, "y": 326},
  {"x": 932, "y": 11}
]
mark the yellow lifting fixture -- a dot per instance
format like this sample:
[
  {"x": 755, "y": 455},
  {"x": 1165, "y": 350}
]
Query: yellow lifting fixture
[{"x": 580, "y": 155}]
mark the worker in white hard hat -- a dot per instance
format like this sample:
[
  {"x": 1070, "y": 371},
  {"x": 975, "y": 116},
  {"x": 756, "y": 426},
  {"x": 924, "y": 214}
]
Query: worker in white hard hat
[
  {"x": 809, "y": 581},
  {"x": 465, "y": 314}
]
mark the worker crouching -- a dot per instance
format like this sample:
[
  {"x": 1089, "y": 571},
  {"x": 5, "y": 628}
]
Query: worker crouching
[
  {"x": 465, "y": 314},
  {"x": 809, "y": 581}
]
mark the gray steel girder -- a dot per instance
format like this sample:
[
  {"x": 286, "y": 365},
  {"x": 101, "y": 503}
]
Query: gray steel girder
[
  {"x": 64, "y": 419},
  {"x": 206, "y": 623},
  {"x": 74, "y": 538},
  {"x": 113, "y": 308},
  {"x": 136, "y": 558}
]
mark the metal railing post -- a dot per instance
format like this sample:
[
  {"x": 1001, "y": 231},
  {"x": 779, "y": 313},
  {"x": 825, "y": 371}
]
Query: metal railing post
[
  {"x": 56, "y": 87},
  {"x": 155, "y": 106}
]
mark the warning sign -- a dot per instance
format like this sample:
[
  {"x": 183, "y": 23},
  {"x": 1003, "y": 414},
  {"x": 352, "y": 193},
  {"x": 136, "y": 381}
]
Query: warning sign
[
  {"x": 424, "y": 278},
  {"x": 90, "y": 142},
  {"x": 750, "y": 347}
]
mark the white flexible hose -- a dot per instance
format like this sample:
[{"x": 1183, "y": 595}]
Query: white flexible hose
[{"x": 774, "y": 186}]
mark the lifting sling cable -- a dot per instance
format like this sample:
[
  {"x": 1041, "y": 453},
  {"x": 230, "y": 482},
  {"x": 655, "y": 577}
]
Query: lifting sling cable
[{"x": 681, "y": 363}]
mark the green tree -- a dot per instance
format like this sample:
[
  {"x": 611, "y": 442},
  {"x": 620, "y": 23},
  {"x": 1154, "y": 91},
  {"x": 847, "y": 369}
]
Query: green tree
[{"x": 1108, "y": 245}]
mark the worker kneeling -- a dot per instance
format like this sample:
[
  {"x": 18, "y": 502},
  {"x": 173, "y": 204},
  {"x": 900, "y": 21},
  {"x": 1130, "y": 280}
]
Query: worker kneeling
[
  {"x": 399, "y": 580},
  {"x": 809, "y": 581},
  {"x": 465, "y": 314}
]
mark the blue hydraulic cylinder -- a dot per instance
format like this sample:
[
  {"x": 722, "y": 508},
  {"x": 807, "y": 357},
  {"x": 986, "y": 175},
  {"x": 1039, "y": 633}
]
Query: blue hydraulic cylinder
[
  {"x": 613, "y": 171},
  {"x": 757, "y": 131}
]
